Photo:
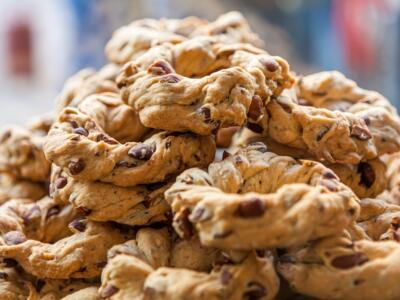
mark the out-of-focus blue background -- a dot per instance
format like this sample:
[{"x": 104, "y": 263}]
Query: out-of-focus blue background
[{"x": 42, "y": 42}]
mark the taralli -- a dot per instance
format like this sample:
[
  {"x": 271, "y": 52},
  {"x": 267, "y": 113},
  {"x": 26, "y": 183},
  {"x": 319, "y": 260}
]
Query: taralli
[
  {"x": 43, "y": 220},
  {"x": 161, "y": 247},
  {"x": 339, "y": 268},
  {"x": 137, "y": 272},
  {"x": 138, "y": 205},
  {"x": 13, "y": 284},
  {"x": 230, "y": 75},
  {"x": 392, "y": 194},
  {"x": 257, "y": 199},
  {"x": 85, "y": 83},
  {"x": 200, "y": 105},
  {"x": 41, "y": 125},
  {"x": 81, "y": 255},
  {"x": 72, "y": 289},
  {"x": 366, "y": 179},
  {"x": 115, "y": 117},
  {"x": 380, "y": 220},
  {"x": 340, "y": 123},
  {"x": 133, "y": 40},
  {"x": 22, "y": 156},
  {"x": 83, "y": 150},
  {"x": 13, "y": 188},
  {"x": 195, "y": 165}
]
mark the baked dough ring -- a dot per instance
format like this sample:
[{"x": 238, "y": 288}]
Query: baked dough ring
[
  {"x": 13, "y": 188},
  {"x": 380, "y": 220},
  {"x": 14, "y": 286},
  {"x": 367, "y": 179},
  {"x": 70, "y": 289},
  {"x": 81, "y": 255},
  {"x": 115, "y": 117},
  {"x": 44, "y": 220},
  {"x": 168, "y": 101},
  {"x": 82, "y": 149},
  {"x": 98, "y": 201},
  {"x": 22, "y": 156},
  {"x": 131, "y": 41},
  {"x": 139, "y": 270},
  {"x": 338, "y": 268},
  {"x": 85, "y": 83},
  {"x": 344, "y": 123},
  {"x": 220, "y": 77},
  {"x": 257, "y": 199}
]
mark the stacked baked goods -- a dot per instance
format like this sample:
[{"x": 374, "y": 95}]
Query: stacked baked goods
[{"x": 195, "y": 165}]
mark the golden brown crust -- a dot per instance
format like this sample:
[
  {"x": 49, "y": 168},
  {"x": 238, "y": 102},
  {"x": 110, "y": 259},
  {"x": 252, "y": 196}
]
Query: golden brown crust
[
  {"x": 82, "y": 149},
  {"x": 13, "y": 188},
  {"x": 81, "y": 255},
  {"x": 338, "y": 268},
  {"x": 256, "y": 199},
  {"x": 85, "y": 83},
  {"x": 366, "y": 179},
  {"x": 133, "y": 40},
  {"x": 22, "y": 156},
  {"x": 43, "y": 220},
  {"x": 340, "y": 123},
  {"x": 141, "y": 269}
]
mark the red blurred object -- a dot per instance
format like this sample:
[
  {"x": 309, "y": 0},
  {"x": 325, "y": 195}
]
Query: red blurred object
[
  {"x": 355, "y": 24},
  {"x": 19, "y": 48}
]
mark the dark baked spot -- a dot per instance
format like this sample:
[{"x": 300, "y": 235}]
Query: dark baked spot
[
  {"x": 321, "y": 133},
  {"x": 286, "y": 107},
  {"x": 349, "y": 261},
  {"x": 254, "y": 291},
  {"x": 81, "y": 131},
  {"x": 330, "y": 185},
  {"x": 74, "y": 124},
  {"x": 33, "y": 212},
  {"x": 10, "y": 263},
  {"x": 251, "y": 208},
  {"x": 328, "y": 174},
  {"x": 258, "y": 146},
  {"x": 125, "y": 164},
  {"x": 254, "y": 127},
  {"x": 142, "y": 151},
  {"x": 269, "y": 63},
  {"x": 78, "y": 224},
  {"x": 256, "y": 108},
  {"x": 60, "y": 182},
  {"x": 170, "y": 78},
  {"x": 183, "y": 223},
  {"x": 160, "y": 67},
  {"x": 106, "y": 139},
  {"x": 200, "y": 213},
  {"x": 225, "y": 276},
  {"x": 76, "y": 167},
  {"x": 367, "y": 174},
  {"x": 287, "y": 259},
  {"x": 206, "y": 113},
  {"x": 360, "y": 131},
  {"x": 226, "y": 154},
  {"x": 83, "y": 210},
  {"x": 14, "y": 237},
  {"x": 53, "y": 211},
  {"x": 367, "y": 120}
]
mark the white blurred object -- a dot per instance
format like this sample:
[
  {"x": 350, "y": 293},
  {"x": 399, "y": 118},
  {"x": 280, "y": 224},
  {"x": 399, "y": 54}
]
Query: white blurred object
[{"x": 51, "y": 31}]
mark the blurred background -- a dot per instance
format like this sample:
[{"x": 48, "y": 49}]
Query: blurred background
[{"x": 42, "y": 42}]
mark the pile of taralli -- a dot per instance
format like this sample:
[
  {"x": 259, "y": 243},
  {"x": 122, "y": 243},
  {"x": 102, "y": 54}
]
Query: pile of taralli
[{"x": 196, "y": 166}]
